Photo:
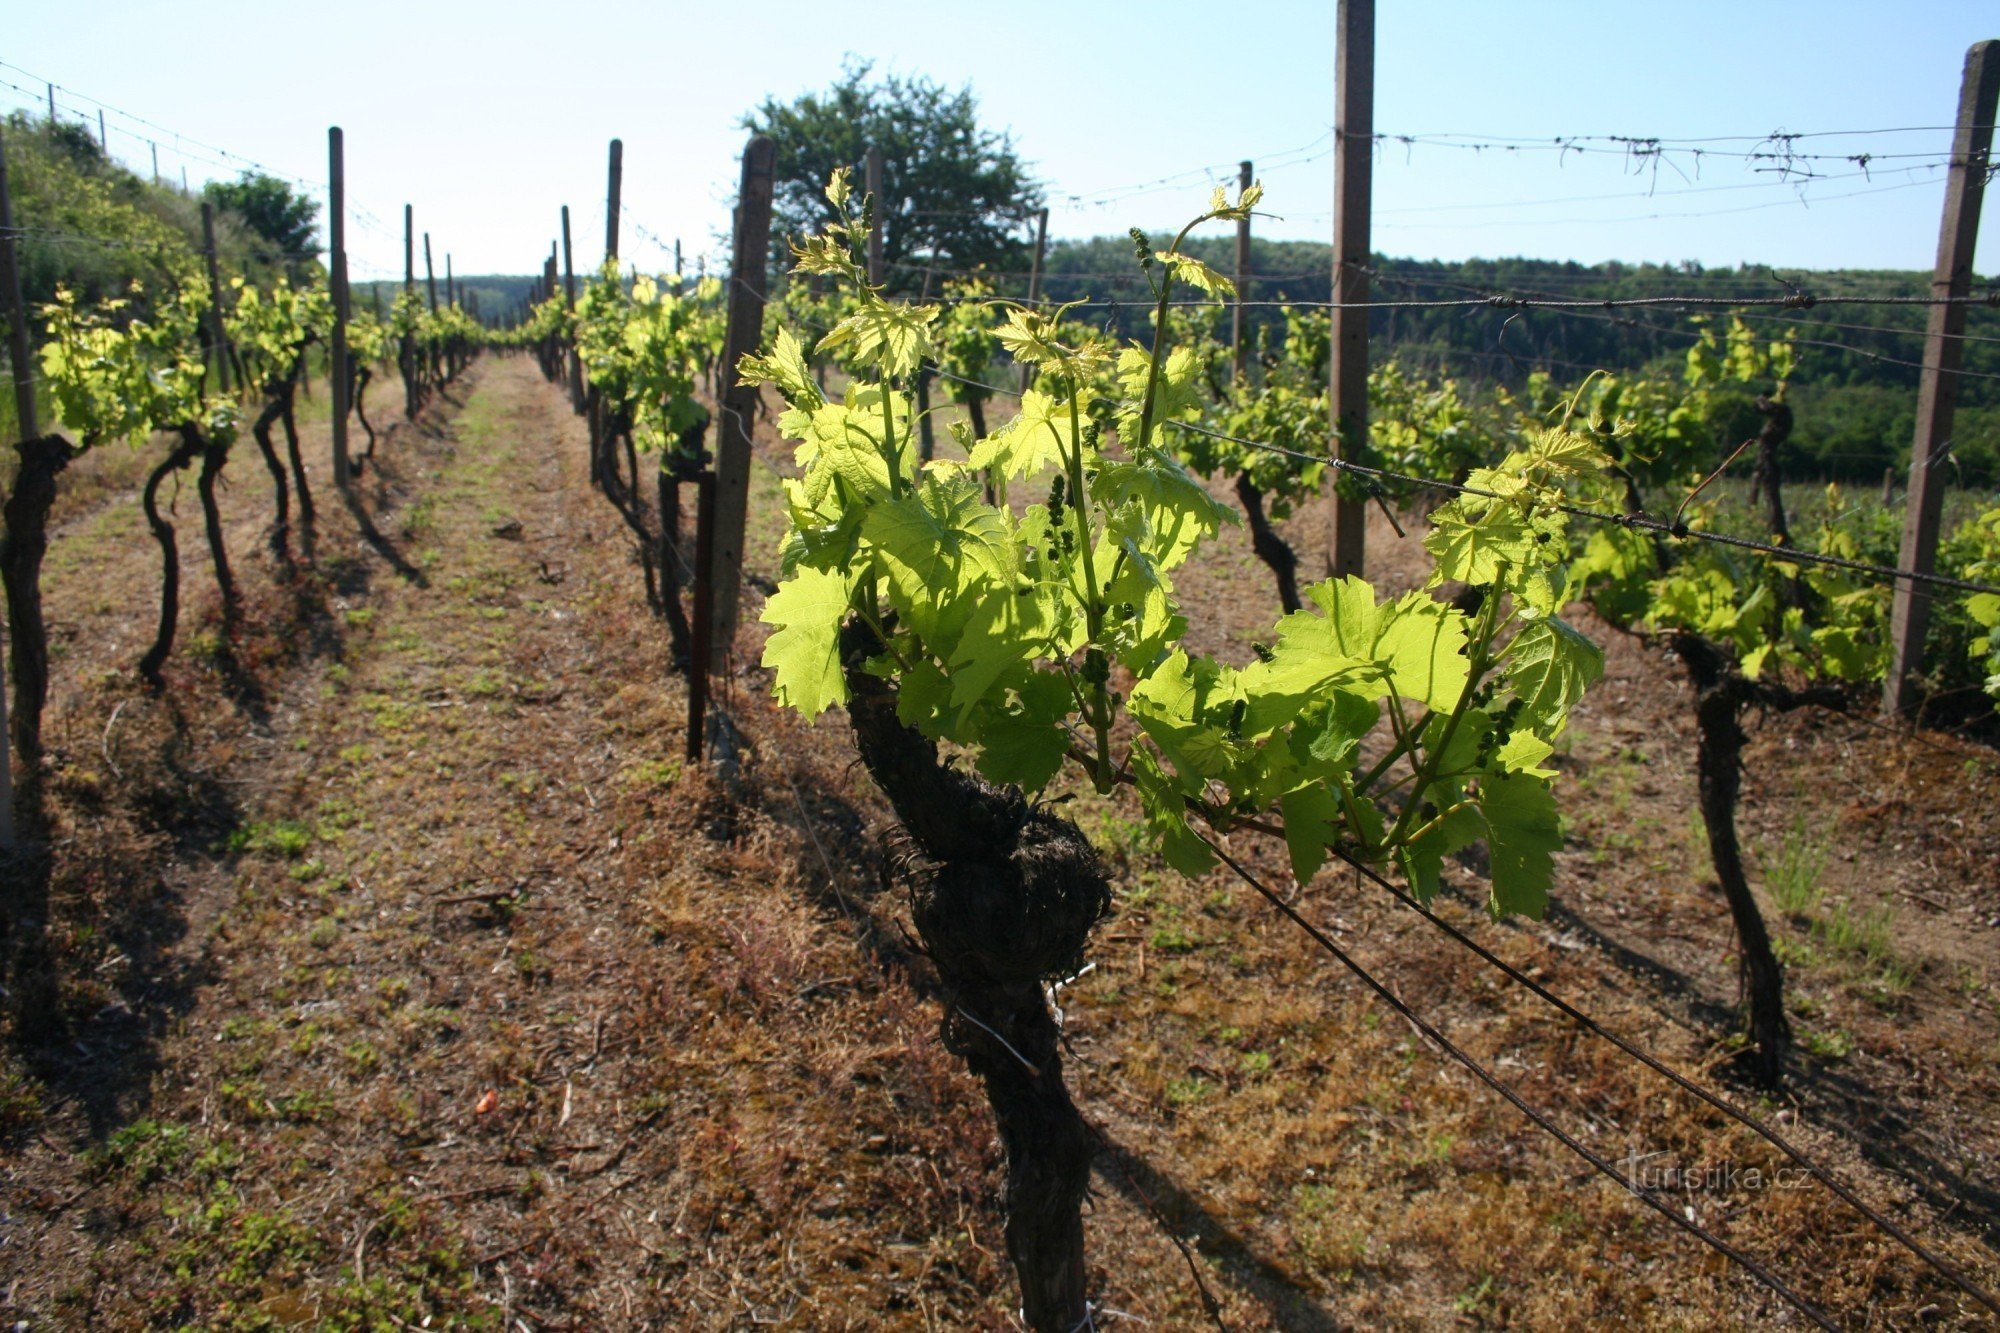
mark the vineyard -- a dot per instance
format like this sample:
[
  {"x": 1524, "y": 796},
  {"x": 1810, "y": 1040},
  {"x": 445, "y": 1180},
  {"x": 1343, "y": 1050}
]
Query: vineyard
[{"x": 855, "y": 793}]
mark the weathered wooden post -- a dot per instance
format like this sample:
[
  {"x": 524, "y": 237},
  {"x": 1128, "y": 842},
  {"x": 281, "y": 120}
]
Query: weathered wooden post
[
  {"x": 569, "y": 302},
  {"x": 406, "y": 348},
  {"x": 337, "y": 270},
  {"x": 1353, "y": 160},
  {"x": 873, "y": 166},
  {"x": 24, "y": 408},
  {"x": 218, "y": 337},
  {"x": 739, "y": 402},
  {"x": 612, "y": 206},
  {"x": 1944, "y": 351},
  {"x": 1035, "y": 273}
]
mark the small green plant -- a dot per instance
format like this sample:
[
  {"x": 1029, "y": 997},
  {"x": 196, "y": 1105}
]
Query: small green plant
[
  {"x": 1864, "y": 935},
  {"x": 1470, "y": 1300},
  {"x": 286, "y": 838},
  {"x": 1794, "y": 953},
  {"x": 144, "y": 1150},
  {"x": 1792, "y": 877},
  {"x": 654, "y": 773}
]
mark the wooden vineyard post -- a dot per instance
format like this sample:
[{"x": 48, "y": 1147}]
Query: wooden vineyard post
[
  {"x": 218, "y": 340},
  {"x": 873, "y": 163},
  {"x": 406, "y": 350},
  {"x": 28, "y": 428},
  {"x": 103, "y": 139},
  {"x": 450, "y": 288},
  {"x": 613, "y": 190},
  {"x": 18, "y": 350},
  {"x": 1035, "y": 273},
  {"x": 1353, "y": 150},
  {"x": 1938, "y": 384},
  {"x": 337, "y": 266},
  {"x": 739, "y": 402},
  {"x": 701, "y": 647},
  {"x": 1239, "y": 343},
  {"x": 575, "y": 367}
]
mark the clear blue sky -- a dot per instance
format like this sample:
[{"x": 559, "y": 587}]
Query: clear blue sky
[{"x": 487, "y": 117}]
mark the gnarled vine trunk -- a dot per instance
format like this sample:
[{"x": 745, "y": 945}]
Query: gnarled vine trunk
[
  {"x": 683, "y": 464},
  {"x": 413, "y": 390},
  {"x": 361, "y": 378},
  {"x": 21, "y": 551},
  {"x": 1273, "y": 550},
  {"x": 1004, "y": 896},
  {"x": 286, "y": 414},
  {"x": 214, "y": 457},
  {"x": 181, "y": 456},
  {"x": 1721, "y": 695},
  {"x": 1776, "y": 430},
  {"x": 282, "y": 521}
]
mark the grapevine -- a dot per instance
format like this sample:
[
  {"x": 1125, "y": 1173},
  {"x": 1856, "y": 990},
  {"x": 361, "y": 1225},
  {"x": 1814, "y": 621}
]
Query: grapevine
[{"x": 1027, "y": 636}]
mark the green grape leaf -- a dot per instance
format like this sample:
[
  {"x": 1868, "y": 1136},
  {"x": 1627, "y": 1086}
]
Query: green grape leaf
[
  {"x": 1004, "y": 628},
  {"x": 1024, "y": 742},
  {"x": 805, "y": 652},
  {"x": 1038, "y": 438},
  {"x": 1312, "y": 823},
  {"x": 785, "y": 367},
  {"x": 923, "y": 700},
  {"x": 1179, "y": 512},
  {"x": 1192, "y": 271},
  {"x": 1565, "y": 453},
  {"x": 891, "y": 338},
  {"x": 1523, "y": 833},
  {"x": 1550, "y": 666},
  {"x": 1160, "y": 796},
  {"x": 1845, "y": 656},
  {"x": 937, "y": 544},
  {"x": 1173, "y": 706},
  {"x": 1523, "y": 752},
  {"x": 1423, "y": 859},
  {"x": 1315, "y": 653},
  {"x": 1328, "y": 742},
  {"x": 1424, "y": 643}
]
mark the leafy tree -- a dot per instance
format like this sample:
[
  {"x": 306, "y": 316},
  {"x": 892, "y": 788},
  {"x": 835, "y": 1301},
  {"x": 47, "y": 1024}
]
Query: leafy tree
[
  {"x": 73, "y": 141},
  {"x": 953, "y": 192},
  {"x": 270, "y": 209}
]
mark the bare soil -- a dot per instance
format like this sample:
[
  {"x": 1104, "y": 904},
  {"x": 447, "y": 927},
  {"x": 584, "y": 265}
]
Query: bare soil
[{"x": 409, "y": 978}]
